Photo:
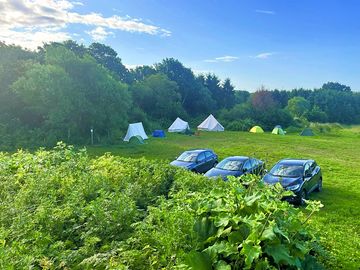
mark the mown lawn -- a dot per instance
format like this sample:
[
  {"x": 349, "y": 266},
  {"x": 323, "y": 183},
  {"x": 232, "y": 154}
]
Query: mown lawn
[{"x": 338, "y": 155}]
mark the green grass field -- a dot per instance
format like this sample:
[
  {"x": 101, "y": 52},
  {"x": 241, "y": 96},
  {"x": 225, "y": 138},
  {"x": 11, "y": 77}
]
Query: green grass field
[{"x": 338, "y": 155}]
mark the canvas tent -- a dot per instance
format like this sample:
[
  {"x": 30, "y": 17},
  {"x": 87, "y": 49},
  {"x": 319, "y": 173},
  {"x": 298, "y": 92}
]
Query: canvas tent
[
  {"x": 256, "y": 129},
  {"x": 278, "y": 131},
  {"x": 179, "y": 125},
  {"x": 307, "y": 132},
  {"x": 210, "y": 124},
  {"x": 135, "y": 129}
]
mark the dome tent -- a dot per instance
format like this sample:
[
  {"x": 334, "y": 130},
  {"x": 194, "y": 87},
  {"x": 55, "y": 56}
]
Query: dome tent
[
  {"x": 159, "y": 133},
  {"x": 278, "y": 131},
  {"x": 256, "y": 129},
  {"x": 135, "y": 129},
  {"x": 179, "y": 125},
  {"x": 307, "y": 132},
  {"x": 136, "y": 140},
  {"x": 210, "y": 124}
]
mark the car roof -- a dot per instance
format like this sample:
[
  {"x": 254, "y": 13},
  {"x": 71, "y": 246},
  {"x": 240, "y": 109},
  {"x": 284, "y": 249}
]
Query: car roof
[
  {"x": 198, "y": 150},
  {"x": 240, "y": 158},
  {"x": 293, "y": 161}
]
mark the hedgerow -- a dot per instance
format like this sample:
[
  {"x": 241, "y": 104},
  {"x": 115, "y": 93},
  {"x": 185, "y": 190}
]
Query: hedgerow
[{"x": 61, "y": 209}]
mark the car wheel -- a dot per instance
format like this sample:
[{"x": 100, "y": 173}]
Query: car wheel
[
  {"x": 302, "y": 197},
  {"x": 319, "y": 186}
]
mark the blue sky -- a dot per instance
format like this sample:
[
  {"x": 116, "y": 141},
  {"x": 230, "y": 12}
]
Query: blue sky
[{"x": 280, "y": 44}]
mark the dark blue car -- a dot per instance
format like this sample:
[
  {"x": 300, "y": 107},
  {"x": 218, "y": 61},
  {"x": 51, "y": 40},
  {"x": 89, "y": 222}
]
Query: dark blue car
[
  {"x": 301, "y": 176},
  {"x": 197, "y": 160},
  {"x": 237, "y": 166}
]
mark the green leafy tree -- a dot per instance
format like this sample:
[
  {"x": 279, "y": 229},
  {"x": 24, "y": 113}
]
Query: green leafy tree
[
  {"x": 107, "y": 57},
  {"x": 158, "y": 97},
  {"x": 195, "y": 98},
  {"x": 298, "y": 106},
  {"x": 141, "y": 72}
]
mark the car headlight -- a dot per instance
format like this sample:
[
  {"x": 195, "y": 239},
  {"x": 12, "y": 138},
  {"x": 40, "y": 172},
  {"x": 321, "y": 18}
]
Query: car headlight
[{"x": 294, "y": 187}]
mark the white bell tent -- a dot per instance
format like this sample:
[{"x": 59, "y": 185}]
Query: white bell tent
[
  {"x": 179, "y": 125},
  {"x": 210, "y": 124},
  {"x": 135, "y": 129}
]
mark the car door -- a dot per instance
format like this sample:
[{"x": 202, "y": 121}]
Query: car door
[
  {"x": 210, "y": 160},
  {"x": 307, "y": 177},
  {"x": 255, "y": 166},
  {"x": 201, "y": 164},
  {"x": 315, "y": 174},
  {"x": 247, "y": 167}
]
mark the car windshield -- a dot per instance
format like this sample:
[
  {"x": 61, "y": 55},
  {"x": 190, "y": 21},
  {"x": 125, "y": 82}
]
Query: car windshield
[
  {"x": 285, "y": 170},
  {"x": 229, "y": 165},
  {"x": 188, "y": 157}
]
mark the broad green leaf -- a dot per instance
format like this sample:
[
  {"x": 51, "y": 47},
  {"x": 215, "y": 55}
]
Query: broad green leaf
[
  {"x": 221, "y": 220},
  {"x": 268, "y": 233},
  {"x": 198, "y": 260},
  {"x": 280, "y": 254},
  {"x": 221, "y": 265},
  {"x": 223, "y": 247},
  {"x": 251, "y": 251}
]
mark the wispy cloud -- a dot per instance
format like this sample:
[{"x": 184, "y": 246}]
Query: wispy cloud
[
  {"x": 77, "y": 3},
  {"x": 99, "y": 33},
  {"x": 30, "y": 23},
  {"x": 268, "y": 12},
  {"x": 225, "y": 59},
  {"x": 264, "y": 55}
]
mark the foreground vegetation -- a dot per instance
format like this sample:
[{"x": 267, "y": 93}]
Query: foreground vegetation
[
  {"x": 336, "y": 152},
  {"x": 62, "y": 210}
]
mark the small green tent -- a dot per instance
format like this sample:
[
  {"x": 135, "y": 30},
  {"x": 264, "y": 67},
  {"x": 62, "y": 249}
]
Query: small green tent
[
  {"x": 307, "y": 132},
  {"x": 136, "y": 140},
  {"x": 256, "y": 129},
  {"x": 278, "y": 131}
]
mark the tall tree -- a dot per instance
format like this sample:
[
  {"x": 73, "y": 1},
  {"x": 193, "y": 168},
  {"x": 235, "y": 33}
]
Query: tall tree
[
  {"x": 263, "y": 100},
  {"x": 298, "y": 106},
  {"x": 157, "y": 96},
  {"x": 195, "y": 98},
  {"x": 107, "y": 57},
  {"x": 228, "y": 100}
]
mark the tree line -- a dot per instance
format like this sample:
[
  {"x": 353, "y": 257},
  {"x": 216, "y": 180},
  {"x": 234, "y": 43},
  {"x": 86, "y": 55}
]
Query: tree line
[{"x": 62, "y": 90}]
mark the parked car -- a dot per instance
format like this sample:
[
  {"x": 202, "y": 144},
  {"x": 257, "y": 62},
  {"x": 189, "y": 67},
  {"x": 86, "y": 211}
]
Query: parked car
[
  {"x": 302, "y": 176},
  {"x": 237, "y": 166},
  {"x": 197, "y": 160}
]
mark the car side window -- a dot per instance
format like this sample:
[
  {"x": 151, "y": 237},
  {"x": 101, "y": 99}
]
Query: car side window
[
  {"x": 201, "y": 157},
  {"x": 307, "y": 169},
  {"x": 247, "y": 165},
  {"x": 254, "y": 162},
  {"x": 208, "y": 155},
  {"x": 313, "y": 166}
]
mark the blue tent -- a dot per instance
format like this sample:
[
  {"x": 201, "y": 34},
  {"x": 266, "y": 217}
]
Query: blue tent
[{"x": 158, "y": 133}]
